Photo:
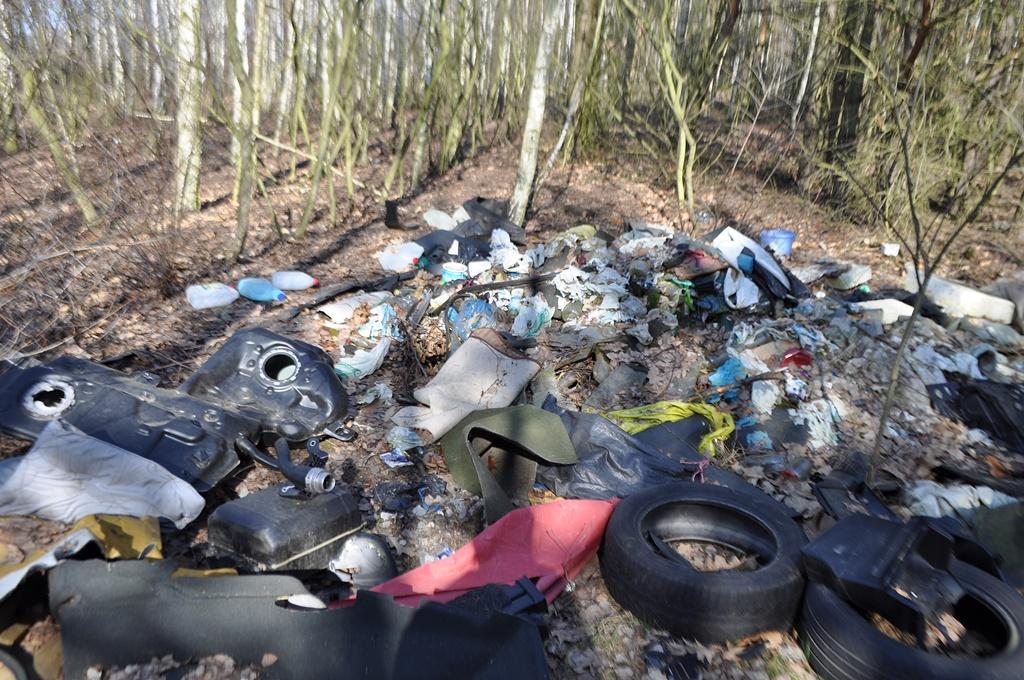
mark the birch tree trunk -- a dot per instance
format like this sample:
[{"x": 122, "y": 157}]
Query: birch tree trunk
[
  {"x": 534, "y": 119},
  {"x": 244, "y": 131},
  {"x": 239, "y": 33},
  {"x": 807, "y": 65},
  {"x": 187, "y": 158},
  {"x": 156, "y": 71}
]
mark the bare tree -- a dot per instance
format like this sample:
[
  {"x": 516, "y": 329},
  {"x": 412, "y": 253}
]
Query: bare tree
[
  {"x": 534, "y": 118},
  {"x": 187, "y": 160}
]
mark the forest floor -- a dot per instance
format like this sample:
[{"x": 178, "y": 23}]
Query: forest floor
[{"x": 103, "y": 291}]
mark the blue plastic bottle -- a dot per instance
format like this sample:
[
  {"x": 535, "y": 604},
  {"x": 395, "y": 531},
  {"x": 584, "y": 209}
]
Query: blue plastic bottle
[{"x": 259, "y": 290}]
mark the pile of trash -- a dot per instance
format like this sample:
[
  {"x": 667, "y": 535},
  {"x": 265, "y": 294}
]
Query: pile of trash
[{"x": 628, "y": 395}]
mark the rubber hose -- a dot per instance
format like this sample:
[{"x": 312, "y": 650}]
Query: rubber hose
[{"x": 312, "y": 479}]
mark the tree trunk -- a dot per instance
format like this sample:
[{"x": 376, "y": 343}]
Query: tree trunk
[
  {"x": 236, "y": 81},
  {"x": 534, "y": 119},
  {"x": 807, "y": 65},
  {"x": 244, "y": 132},
  {"x": 156, "y": 72},
  {"x": 8, "y": 123},
  {"x": 848, "y": 87},
  {"x": 187, "y": 160},
  {"x": 63, "y": 160}
]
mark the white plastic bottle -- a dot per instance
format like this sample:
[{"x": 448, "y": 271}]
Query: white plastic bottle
[
  {"x": 293, "y": 280},
  {"x": 206, "y": 295}
]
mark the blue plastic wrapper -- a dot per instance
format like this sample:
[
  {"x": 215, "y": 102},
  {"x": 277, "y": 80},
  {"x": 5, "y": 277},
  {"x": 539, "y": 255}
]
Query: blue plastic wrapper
[{"x": 473, "y": 314}]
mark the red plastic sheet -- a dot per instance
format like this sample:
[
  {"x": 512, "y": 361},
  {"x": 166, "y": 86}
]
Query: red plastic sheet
[{"x": 547, "y": 543}]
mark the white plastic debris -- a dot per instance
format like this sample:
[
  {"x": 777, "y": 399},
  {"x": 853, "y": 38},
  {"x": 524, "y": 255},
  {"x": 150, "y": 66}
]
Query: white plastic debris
[
  {"x": 439, "y": 219},
  {"x": 341, "y": 311},
  {"x": 504, "y": 254},
  {"x": 363, "y": 362},
  {"x": 739, "y": 290},
  {"x": 960, "y": 300},
  {"x": 892, "y": 310},
  {"x": 931, "y": 363},
  {"x": 534, "y": 314},
  {"x": 731, "y": 243},
  {"x": 68, "y": 475},
  {"x": 890, "y": 249},
  {"x": 819, "y": 417},
  {"x": 400, "y": 257},
  {"x": 934, "y": 500},
  {"x": 855, "y": 275},
  {"x": 764, "y": 394},
  {"x": 379, "y": 392}
]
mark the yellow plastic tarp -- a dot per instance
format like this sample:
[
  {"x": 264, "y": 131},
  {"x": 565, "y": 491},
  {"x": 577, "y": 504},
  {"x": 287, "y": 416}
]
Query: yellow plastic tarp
[{"x": 638, "y": 419}]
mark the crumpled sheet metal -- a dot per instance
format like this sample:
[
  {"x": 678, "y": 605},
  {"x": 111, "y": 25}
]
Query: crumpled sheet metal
[
  {"x": 116, "y": 536},
  {"x": 67, "y": 475},
  {"x": 547, "y": 543}
]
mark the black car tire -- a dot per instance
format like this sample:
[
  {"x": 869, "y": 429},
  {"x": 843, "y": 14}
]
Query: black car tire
[
  {"x": 664, "y": 590},
  {"x": 841, "y": 644},
  {"x": 10, "y": 667}
]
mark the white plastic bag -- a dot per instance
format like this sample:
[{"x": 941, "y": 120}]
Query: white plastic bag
[{"x": 67, "y": 475}]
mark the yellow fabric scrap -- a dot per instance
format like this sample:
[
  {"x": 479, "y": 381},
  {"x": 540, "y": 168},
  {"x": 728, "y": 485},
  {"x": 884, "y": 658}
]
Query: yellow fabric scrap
[
  {"x": 638, "y": 419},
  {"x": 118, "y": 536},
  {"x": 123, "y": 537}
]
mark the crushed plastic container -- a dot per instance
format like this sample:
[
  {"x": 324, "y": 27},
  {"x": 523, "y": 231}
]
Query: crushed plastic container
[
  {"x": 293, "y": 280},
  {"x": 778, "y": 240},
  {"x": 400, "y": 257},
  {"x": 957, "y": 299},
  {"x": 207, "y": 295},
  {"x": 260, "y": 290}
]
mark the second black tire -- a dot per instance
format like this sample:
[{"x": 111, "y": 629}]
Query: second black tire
[
  {"x": 711, "y": 606},
  {"x": 842, "y": 644}
]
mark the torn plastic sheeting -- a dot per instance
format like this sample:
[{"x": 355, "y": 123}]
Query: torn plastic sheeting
[
  {"x": 505, "y": 255},
  {"x": 930, "y": 365},
  {"x": 534, "y": 314},
  {"x": 548, "y": 544},
  {"x": 67, "y": 475},
  {"x": 439, "y": 219},
  {"x": 117, "y": 537},
  {"x": 611, "y": 462},
  {"x": 996, "y": 408},
  {"x": 379, "y": 392},
  {"x": 634, "y": 420},
  {"x": 739, "y": 291},
  {"x": 473, "y": 314},
  {"x": 485, "y": 372},
  {"x": 341, "y": 311},
  {"x": 383, "y": 322},
  {"x": 729, "y": 373},
  {"x": 764, "y": 394},
  {"x": 363, "y": 362},
  {"x": 486, "y": 215},
  {"x": 819, "y": 418}
]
